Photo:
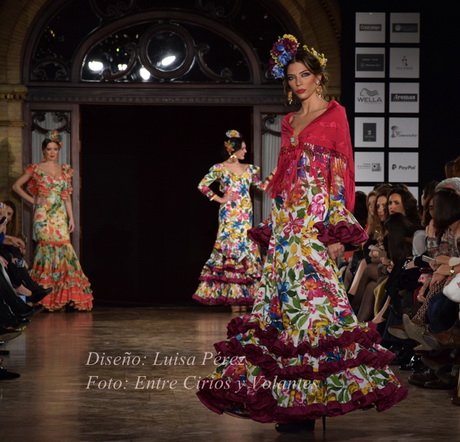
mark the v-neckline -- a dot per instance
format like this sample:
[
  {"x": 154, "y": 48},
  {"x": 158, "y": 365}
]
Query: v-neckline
[
  {"x": 234, "y": 173},
  {"x": 296, "y": 137},
  {"x": 48, "y": 175}
]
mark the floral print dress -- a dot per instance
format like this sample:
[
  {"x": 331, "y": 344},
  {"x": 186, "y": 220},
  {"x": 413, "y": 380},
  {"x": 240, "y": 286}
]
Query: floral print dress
[
  {"x": 302, "y": 354},
  {"x": 230, "y": 275},
  {"x": 55, "y": 263}
]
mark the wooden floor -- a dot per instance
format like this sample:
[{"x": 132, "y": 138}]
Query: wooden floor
[{"x": 67, "y": 392}]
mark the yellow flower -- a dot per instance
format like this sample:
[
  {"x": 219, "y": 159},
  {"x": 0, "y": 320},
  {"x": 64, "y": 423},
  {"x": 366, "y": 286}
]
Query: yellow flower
[
  {"x": 353, "y": 387},
  {"x": 320, "y": 57}
]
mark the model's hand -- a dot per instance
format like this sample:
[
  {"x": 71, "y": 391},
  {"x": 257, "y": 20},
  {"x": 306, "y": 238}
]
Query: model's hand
[
  {"x": 40, "y": 201},
  {"x": 71, "y": 226},
  {"x": 230, "y": 196},
  {"x": 335, "y": 250}
]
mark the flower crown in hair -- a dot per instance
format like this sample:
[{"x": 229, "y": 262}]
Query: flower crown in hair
[
  {"x": 232, "y": 133},
  {"x": 54, "y": 136},
  {"x": 283, "y": 51}
]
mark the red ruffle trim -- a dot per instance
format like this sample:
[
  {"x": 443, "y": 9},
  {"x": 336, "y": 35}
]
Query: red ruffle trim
[
  {"x": 260, "y": 235},
  {"x": 341, "y": 232},
  {"x": 224, "y": 301},
  {"x": 226, "y": 280},
  {"x": 261, "y": 406},
  {"x": 269, "y": 339}
]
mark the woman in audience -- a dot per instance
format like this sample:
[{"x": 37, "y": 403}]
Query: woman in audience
[
  {"x": 446, "y": 218},
  {"x": 17, "y": 268},
  {"x": 371, "y": 270}
]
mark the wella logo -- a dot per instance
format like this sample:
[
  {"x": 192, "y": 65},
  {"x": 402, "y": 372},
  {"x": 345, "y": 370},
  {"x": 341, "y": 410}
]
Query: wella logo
[{"x": 368, "y": 96}]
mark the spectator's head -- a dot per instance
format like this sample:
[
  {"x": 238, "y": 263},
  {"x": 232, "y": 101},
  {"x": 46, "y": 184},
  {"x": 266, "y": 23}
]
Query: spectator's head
[
  {"x": 446, "y": 209},
  {"x": 401, "y": 200},
  {"x": 11, "y": 228},
  {"x": 400, "y": 232},
  {"x": 449, "y": 183}
]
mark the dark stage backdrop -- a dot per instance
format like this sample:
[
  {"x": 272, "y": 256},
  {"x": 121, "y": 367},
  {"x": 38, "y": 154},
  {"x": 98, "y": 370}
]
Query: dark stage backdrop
[{"x": 146, "y": 229}]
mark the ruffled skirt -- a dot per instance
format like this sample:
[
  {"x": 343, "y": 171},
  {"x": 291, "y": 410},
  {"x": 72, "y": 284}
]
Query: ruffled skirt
[
  {"x": 267, "y": 379},
  {"x": 229, "y": 280},
  {"x": 58, "y": 267}
]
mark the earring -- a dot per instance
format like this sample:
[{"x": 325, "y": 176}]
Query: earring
[
  {"x": 319, "y": 90},
  {"x": 289, "y": 97},
  {"x": 233, "y": 158}
]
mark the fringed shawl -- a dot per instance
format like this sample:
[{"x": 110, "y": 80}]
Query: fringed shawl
[{"x": 331, "y": 132}]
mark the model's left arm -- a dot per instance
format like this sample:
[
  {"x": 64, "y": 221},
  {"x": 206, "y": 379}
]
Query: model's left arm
[
  {"x": 256, "y": 181},
  {"x": 340, "y": 227},
  {"x": 66, "y": 195}
]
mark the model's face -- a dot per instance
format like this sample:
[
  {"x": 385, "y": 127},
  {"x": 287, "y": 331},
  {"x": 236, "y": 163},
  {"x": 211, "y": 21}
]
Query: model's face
[
  {"x": 301, "y": 81},
  {"x": 240, "y": 154},
  {"x": 381, "y": 207},
  {"x": 51, "y": 151},
  {"x": 395, "y": 204}
]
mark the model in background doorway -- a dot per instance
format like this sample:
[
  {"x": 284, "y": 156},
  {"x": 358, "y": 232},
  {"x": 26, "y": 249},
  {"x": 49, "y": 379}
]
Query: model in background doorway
[
  {"x": 55, "y": 264},
  {"x": 231, "y": 274}
]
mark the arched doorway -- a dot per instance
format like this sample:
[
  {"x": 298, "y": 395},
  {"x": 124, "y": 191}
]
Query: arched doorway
[{"x": 222, "y": 75}]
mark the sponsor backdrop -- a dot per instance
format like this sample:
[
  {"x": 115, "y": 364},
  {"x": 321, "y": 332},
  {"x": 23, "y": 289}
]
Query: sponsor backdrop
[{"x": 387, "y": 98}]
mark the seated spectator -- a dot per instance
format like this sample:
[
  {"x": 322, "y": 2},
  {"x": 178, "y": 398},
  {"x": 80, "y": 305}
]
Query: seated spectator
[{"x": 13, "y": 250}]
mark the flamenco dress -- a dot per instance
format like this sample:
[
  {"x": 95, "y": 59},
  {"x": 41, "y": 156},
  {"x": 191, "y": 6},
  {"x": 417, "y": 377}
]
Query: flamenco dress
[
  {"x": 301, "y": 354},
  {"x": 231, "y": 274},
  {"x": 55, "y": 263}
]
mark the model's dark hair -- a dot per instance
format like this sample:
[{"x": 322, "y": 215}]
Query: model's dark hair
[
  {"x": 236, "y": 142},
  {"x": 446, "y": 209}
]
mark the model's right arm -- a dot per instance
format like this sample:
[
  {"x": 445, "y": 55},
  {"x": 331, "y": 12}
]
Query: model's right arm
[{"x": 17, "y": 187}]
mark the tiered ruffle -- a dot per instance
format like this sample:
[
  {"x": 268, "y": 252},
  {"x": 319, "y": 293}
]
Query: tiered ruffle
[
  {"x": 229, "y": 280},
  {"x": 267, "y": 378},
  {"x": 56, "y": 265}
]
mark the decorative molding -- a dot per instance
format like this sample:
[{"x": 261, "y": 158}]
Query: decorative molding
[
  {"x": 162, "y": 95},
  {"x": 39, "y": 117},
  {"x": 10, "y": 123},
  {"x": 112, "y": 10},
  {"x": 266, "y": 121}
]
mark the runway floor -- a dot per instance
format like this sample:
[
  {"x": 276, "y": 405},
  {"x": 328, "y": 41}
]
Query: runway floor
[{"x": 73, "y": 389}]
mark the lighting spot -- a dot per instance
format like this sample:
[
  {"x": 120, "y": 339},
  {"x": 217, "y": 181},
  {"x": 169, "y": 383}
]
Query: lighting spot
[
  {"x": 168, "y": 60},
  {"x": 95, "y": 66},
  {"x": 144, "y": 73}
]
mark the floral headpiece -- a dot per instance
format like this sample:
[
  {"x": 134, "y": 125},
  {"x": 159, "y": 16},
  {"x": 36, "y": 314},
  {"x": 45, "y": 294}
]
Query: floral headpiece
[
  {"x": 283, "y": 51},
  {"x": 232, "y": 133},
  {"x": 54, "y": 136}
]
